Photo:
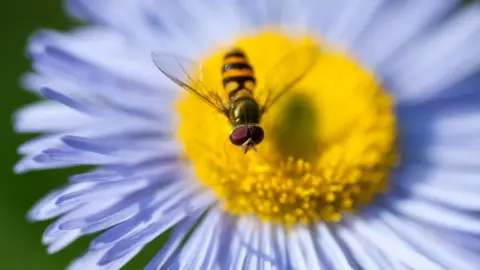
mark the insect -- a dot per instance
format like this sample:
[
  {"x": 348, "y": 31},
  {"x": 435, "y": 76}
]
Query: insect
[{"x": 240, "y": 104}]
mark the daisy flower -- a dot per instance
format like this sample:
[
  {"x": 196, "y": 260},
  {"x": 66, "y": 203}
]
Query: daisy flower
[{"x": 367, "y": 162}]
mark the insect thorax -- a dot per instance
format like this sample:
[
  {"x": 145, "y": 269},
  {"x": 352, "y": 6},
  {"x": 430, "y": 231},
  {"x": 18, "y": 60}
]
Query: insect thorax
[{"x": 244, "y": 111}]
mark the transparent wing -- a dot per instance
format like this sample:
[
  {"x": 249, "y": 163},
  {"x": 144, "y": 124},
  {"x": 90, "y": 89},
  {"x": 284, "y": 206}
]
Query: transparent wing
[
  {"x": 288, "y": 72},
  {"x": 188, "y": 75}
]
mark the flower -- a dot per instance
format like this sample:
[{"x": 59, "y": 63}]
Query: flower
[{"x": 367, "y": 163}]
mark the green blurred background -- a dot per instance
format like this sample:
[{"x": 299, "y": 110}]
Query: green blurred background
[{"x": 20, "y": 241}]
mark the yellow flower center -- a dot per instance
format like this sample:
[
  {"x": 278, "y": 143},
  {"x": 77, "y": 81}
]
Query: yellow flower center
[{"x": 329, "y": 143}]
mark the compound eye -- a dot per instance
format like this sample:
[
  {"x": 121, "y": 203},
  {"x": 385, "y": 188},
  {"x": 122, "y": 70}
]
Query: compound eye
[
  {"x": 239, "y": 135},
  {"x": 256, "y": 133}
]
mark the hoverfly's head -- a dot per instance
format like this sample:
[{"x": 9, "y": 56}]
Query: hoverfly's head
[{"x": 247, "y": 136}]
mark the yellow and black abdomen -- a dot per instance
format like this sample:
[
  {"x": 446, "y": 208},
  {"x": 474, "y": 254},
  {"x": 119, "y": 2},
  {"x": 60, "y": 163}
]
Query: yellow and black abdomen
[
  {"x": 237, "y": 74},
  {"x": 239, "y": 82}
]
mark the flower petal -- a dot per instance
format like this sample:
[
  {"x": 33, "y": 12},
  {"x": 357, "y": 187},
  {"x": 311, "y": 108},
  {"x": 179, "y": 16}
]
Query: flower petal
[
  {"x": 150, "y": 232},
  {"x": 436, "y": 215},
  {"x": 171, "y": 247},
  {"x": 198, "y": 243},
  {"x": 360, "y": 251},
  {"x": 47, "y": 116},
  {"x": 419, "y": 237},
  {"x": 390, "y": 244},
  {"x": 297, "y": 259},
  {"x": 178, "y": 197},
  {"x": 395, "y": 25},
  {"x": 336, "y": 254},
  {"x": 453, "y": 42}
]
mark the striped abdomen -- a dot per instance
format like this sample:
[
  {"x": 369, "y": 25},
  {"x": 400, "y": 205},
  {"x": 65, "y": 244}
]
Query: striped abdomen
[{"x": 237, "y": 74}]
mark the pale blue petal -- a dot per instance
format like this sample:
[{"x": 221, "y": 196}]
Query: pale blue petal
[
  {"x": 444, "y": 177},
  {"x": 63, "y": 240},
  {"x": 244, "y": 234},
  {"x": 352, "y": 21},
  {"x": 126, "y": 172},
  {"x": 336, "y": 254},
  {"x": 296, "y": 257},
  {"x": 48, "y": 116},
  {"x": 421, "y": 72},
  {"x": 172, "y": 246},
  {"x": 252, "y": 259},
  {"x": 359, "y": 249},
  {"x": 231, "y": 245},
  {"x": 323, "y": 14},
  {"x": 211, "y": 256},
  {"x": 67, "y": 101},
  {"x": 392, "y": 246},
  {"x": 122, "y": 210},
  {"x": 153, "y": 229},
  {"x": 451, "y": 194},
  {"x": 54, "y": 232},
  {"x": 313, "y": 258},
  {"x": 99, "y": 191},
  {"x": 140, "y": 239},
  {"x": 195, "y": 249},
  {"x": 436, "y": 215},
  {"x": 47, "y": 208},
  {"x": 266, "y": 246},
  {"x": 280, "y": 245},
  {"x": 97, "y": 129},
  {"x": 396, "y": 24},
  {"x": 169, "y": 200},
  {"x": 223, "y": 245},
  {"x": 431, "y": 245},
  {"x": 91, "y": 258},
  {"x": 96, "y": 62}
]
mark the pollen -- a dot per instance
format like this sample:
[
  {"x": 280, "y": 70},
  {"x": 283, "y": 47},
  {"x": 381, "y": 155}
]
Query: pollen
[{"x": 330, "y": 142}]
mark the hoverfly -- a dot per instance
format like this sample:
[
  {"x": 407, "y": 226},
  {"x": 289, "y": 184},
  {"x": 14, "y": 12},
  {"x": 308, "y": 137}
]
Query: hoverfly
[{"x": 240, "y": 105}]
